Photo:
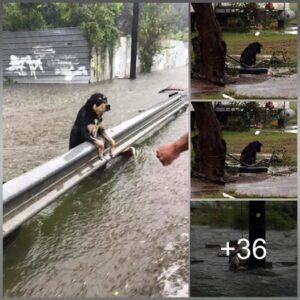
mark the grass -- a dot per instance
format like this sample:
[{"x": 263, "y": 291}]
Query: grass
[
  {"x": 280, "y": 215},
  {"x": 271, "y": 139},
  {"x": 236, "y": 43}
]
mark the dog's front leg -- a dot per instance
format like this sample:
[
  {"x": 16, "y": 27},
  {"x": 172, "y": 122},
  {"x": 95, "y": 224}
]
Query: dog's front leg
[
  {"x": 111, "y": 141},
  {"x": 100, "y": 145}
]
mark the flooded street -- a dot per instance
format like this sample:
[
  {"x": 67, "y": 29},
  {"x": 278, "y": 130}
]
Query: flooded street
[
  {"x": 211, "y": 277},
  {"x": 122, "y": 232},
  {"x": 39, "y": 117}
]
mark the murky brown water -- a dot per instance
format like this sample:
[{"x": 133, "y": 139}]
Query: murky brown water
[
  {"x": 37, "y": 119},
  {"x": 122, "y": 232}
]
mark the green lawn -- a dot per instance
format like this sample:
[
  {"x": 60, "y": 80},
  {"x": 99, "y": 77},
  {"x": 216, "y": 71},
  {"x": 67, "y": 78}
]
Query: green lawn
[{"x": 236, "y": 43}]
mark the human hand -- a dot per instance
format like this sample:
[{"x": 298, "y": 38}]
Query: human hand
[{"x": 167, "y": 153}]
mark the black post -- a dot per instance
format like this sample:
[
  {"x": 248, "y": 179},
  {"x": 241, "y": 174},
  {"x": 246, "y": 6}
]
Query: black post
[
  {"x": 134, "y": 39},
  {"x": 257, "y": 230}
]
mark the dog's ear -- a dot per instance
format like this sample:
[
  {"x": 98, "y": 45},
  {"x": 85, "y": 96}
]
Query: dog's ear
[{"x": 97, "y": 99}]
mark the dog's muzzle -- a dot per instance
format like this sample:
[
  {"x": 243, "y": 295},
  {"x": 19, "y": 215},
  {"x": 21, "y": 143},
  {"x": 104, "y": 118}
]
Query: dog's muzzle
[{"x": 107, "y": 107}]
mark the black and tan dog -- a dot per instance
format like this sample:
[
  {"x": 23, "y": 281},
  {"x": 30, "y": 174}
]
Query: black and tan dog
[
  {"x": 89, "y": 124},
  {"x": 248, "y": 56},
  {"x": 248, "y": 155}
]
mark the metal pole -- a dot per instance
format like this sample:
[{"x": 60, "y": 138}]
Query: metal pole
[
  {"x": 257, "y": 230},
  {"x": 134, "y": 39}
]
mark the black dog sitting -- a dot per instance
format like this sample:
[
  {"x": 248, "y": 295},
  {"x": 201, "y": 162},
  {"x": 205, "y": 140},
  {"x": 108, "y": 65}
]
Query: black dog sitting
[
  {"x": 89, "y": 123},
  {"x": 248, "y": 56},
  {"x": 248, "y": 155}
]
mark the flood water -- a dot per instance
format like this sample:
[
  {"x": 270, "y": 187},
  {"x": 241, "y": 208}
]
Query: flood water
[
  {"x": 122, "y": 231},
  {"x": 212, "y": 277},
  {"x": 40, "y": 116}
]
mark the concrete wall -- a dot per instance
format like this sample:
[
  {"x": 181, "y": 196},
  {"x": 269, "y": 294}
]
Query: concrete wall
[
  {"x": 173, "y": 55},
  {"x": 63, "y": 56}
]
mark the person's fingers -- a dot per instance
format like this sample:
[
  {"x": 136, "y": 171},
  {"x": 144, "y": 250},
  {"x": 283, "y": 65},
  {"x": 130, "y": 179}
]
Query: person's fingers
[{"x": 157, "y": 154}]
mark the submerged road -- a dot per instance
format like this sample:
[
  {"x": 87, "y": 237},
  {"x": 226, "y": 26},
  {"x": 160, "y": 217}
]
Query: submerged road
[{"x": 122, "y": 232}]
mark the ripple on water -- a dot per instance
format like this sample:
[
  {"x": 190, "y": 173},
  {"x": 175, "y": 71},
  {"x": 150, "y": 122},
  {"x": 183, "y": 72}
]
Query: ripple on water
[{"x": 108, "y": 236}]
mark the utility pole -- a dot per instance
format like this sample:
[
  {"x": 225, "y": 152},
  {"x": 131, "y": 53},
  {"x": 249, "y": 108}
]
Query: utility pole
[
  {"x": 257, "y": 230},
  {"x": 134, "y": 40}
]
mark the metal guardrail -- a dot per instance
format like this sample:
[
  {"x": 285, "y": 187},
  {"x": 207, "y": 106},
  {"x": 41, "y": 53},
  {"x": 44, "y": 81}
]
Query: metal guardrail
[{"x": 29, "y": 193}]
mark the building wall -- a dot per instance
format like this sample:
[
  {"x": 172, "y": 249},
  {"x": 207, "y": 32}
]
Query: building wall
[
  {"x": 46, "y": 56},
  {"x": 63, "y": 56}
]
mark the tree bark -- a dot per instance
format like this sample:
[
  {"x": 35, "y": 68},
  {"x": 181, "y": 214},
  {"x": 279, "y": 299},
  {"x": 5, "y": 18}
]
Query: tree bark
[
  {"x": 208, "y": 46},
  {"x": 210, "y": 148}
]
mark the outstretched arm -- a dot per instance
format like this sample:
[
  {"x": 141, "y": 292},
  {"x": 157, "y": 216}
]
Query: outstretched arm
[{"x": 167, "y": 153}]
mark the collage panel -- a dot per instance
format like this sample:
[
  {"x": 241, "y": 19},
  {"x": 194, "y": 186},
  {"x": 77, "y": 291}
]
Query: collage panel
[
  {"x": 243, "y": 249},
  {"x": 95, "y": 140},
  {"x": 150, "y": 149},
  {"x": 243, "y": 50},
  {"x": 244, "y": 149}
]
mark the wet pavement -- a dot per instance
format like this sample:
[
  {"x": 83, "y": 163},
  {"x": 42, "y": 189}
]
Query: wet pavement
[
  {"x": 253, "y": 86},
  {"x": 257, "y": 185},
  {"x": 278, "y": 87}
]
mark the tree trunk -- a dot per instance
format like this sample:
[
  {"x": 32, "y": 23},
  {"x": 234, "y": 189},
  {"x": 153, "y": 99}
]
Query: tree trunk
[
  {"x": 211, "y": 148},
  {"x": 209, "y": 47}
]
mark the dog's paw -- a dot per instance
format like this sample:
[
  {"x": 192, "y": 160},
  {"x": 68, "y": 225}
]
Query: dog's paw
[
  {"x": 100, "y": 154},
  {"x": 112, "y": 151}
]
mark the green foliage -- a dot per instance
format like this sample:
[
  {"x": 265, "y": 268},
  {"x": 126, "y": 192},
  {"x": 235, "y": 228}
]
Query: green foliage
[
  {"x": 158, "y": 21},
  {"x": 237, "y": 123},
  {"x": 153, "y": 27},
  {"x": 101, "y": 23},
  {"x": 221, "y": 214},
  {"x": 22, "y": 17},
  {"x": 98, "y": 21},
  {"x": 250, "y": 15},
  {"x": 279, "y": 215},
  {"x": 8, "y": 81}
]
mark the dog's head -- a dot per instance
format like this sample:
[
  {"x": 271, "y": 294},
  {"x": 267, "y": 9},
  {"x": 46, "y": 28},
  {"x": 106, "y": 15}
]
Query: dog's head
[
  {"x": 97, "y": 103},
  {"x": 257, "y": 145},
  {"x": 257, "y": 46}
]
